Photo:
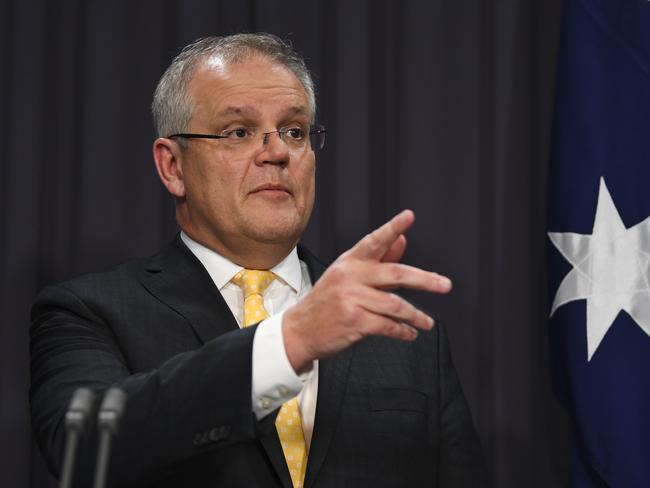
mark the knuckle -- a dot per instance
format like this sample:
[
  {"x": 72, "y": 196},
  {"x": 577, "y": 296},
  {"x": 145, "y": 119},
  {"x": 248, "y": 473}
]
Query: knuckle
[
  {"x": 394, "y": 329},
  {"x": 372, "y": 241},
  {"x": 365, "y": 329},
  {"x": 386, "y": 327},
  {"x": 337, "y": 270},
  {"x": 397, "y": 273},
  {"x": 406, "y": 332},
  {"x": 353, "y": 313},
  {"x": 345, "y": 255},
  {"x": 339, "y": 273},
  {"x": 395, "y": 304},
  {"x": 354, "y": 336},
  {"x": 344, "y": 294}
]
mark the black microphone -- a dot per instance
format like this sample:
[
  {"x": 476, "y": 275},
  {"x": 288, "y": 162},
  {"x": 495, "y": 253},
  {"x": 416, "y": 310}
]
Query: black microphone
[
  {"x": 108, "y": 420},
  {"x": 78, "y": 412}
]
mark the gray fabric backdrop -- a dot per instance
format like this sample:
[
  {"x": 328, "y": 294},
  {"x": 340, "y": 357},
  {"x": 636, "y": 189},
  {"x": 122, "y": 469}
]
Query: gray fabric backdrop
[{"x": 441, "y": 106}]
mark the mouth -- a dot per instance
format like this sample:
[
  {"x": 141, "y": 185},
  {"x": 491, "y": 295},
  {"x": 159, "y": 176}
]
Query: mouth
[{"x": 272, "y": 189}]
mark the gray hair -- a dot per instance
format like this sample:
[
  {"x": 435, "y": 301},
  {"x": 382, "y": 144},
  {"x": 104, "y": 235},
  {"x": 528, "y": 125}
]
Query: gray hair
[{"x": 172, "y": 105}]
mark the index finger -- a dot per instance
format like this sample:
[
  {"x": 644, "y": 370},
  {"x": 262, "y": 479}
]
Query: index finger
[{"x": 377, "y": 243}]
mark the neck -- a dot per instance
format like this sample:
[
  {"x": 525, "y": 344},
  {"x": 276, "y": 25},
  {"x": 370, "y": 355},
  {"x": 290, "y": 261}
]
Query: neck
[{"x": 246, "y": 253}]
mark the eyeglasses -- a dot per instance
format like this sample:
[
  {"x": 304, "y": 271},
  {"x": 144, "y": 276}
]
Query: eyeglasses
[{"x": 244, "y": 139}]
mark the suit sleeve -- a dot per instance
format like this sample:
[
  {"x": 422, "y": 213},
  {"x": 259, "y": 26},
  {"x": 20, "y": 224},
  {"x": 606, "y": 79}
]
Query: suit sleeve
[
  {"x": 461, "y": 462},
  {"x": 185, "y": 408}
]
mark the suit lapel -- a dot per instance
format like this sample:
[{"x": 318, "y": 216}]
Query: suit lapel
[
  {"x": 271, "y": 444},
  {"x": 332, "y": 380},
  {"x": 181, "y": 282}
]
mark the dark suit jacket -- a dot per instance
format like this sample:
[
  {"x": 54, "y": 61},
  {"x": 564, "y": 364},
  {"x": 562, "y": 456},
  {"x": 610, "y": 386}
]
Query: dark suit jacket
[{"x": 389, "y": 413}]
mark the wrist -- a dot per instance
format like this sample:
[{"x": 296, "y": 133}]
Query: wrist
[{"x": 295, "y": 347}]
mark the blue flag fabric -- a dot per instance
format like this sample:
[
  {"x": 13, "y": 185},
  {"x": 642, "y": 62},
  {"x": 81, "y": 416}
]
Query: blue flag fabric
[{"x": 599, "y": 240}]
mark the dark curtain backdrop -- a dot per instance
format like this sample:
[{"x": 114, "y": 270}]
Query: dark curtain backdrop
[{"x": 443, "y": 106}]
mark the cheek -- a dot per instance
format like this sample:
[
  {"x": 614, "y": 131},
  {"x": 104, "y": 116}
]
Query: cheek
[
  {"x": 311, "y": 192},
  {"x": 217, "y": 183},
  {"x": 307, "y": 181}
]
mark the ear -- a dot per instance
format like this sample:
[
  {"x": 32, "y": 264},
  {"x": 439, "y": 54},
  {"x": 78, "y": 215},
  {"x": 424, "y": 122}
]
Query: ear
[{"x": 168, "y": 157}]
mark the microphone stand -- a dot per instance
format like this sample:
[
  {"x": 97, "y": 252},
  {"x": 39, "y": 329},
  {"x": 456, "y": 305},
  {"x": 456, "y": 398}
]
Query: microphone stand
[
  {"x": 75, "y": 421},
  {"x": 108, "y": 419}
]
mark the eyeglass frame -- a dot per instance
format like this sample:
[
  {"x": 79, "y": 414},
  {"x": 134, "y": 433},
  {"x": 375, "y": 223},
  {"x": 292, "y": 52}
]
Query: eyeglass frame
[{"x": 313, "y": 130}]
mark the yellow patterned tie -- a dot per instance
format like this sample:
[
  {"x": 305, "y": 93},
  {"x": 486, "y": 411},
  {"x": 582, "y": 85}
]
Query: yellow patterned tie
[{"x": 288, "y": 423}]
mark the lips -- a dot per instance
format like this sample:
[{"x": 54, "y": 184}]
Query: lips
[{"x": 271, "y": 187}]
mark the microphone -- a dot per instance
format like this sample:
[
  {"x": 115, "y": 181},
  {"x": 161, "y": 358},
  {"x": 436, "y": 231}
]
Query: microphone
[
  {"x": 75, "y": 422},
  {"x": 108, "y": 420}
]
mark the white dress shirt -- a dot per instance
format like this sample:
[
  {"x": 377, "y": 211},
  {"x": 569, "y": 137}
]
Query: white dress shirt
[{"x": 274, "y": 381}]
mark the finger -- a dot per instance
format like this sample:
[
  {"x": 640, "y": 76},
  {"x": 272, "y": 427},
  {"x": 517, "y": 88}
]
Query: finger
[
  {"x": 377, "y": 243},
  {"x": 379, "y": 325},
  {"x": 395, "y": 307},
  {"x": 395, "y": 251},
  {"x": 398, "y": 275}
]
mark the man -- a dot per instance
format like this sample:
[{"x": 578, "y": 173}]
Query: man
[{"x": 245, "y": 361}]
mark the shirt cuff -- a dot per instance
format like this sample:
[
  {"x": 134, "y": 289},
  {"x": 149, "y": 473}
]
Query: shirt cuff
[{"x": 274, "y": 380}]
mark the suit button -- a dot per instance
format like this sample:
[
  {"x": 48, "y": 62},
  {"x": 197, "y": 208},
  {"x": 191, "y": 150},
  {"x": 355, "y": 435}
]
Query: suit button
[
  {"x": 219, "y": 433},
  {"x": 265, "y": 403},
  {"x": 283, "y": 391},
  {"x": 199, "y": 440}
]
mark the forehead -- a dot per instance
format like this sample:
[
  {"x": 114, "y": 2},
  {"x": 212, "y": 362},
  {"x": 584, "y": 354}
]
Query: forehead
[{"x": 248, "y": 87}]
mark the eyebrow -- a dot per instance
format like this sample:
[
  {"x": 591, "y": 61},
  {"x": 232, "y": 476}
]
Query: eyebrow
[
  {"x": 298, "y": 110},
  {"x": 238, "y": 111},
  {"x": 249, "y": 111}
]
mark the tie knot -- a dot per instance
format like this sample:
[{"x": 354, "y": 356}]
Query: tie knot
[{"x": 253, "y": 281}]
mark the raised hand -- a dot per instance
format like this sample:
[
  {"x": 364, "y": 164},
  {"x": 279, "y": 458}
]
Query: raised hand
[{"x": 351, "y": 300}]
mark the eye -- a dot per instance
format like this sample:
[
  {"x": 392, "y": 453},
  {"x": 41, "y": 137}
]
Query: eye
[
  {"x": 239, "y": 133},
  {"x": 295, "y": 133}
]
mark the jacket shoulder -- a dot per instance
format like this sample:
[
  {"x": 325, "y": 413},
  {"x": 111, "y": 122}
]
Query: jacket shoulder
[{"x": 121, "y": 279}]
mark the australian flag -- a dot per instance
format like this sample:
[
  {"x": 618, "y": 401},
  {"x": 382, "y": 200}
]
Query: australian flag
[{"x": 599, "y": 240}]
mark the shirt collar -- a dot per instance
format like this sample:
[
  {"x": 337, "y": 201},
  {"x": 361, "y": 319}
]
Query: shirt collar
[{"x": 222, "y": 270}]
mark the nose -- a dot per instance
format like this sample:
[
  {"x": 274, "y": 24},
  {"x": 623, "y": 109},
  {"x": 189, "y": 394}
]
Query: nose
[{"x": 274, "y": 149}]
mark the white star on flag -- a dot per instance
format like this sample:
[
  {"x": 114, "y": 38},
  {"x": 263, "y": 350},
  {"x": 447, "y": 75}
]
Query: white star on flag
[{"x": 611, "y": 270}]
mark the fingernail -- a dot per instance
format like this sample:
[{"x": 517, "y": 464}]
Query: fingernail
[
  {"x": 445, "y": 283},
  {"x": 431, "y": 322},
  {"x": 400, "y": 215}
]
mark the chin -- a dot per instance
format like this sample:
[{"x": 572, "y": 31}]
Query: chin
[
  {"x": 277, "y": 231},
  {"x": 275, "y": 235},
  {"x": 276, "y": 224}
]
